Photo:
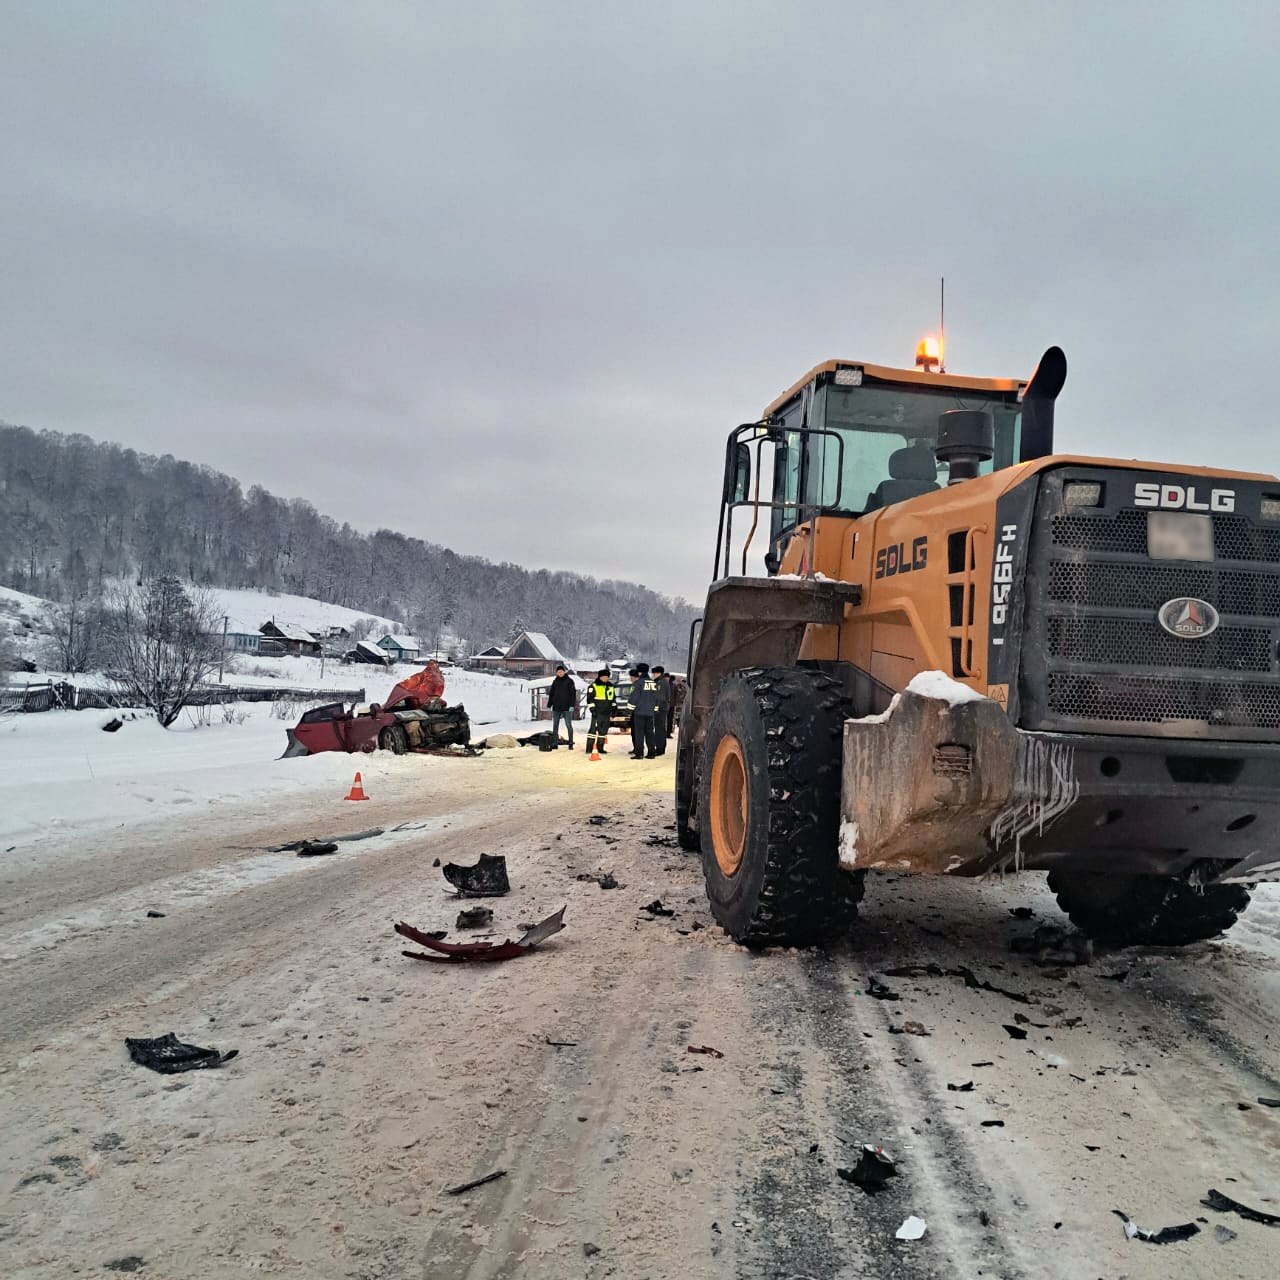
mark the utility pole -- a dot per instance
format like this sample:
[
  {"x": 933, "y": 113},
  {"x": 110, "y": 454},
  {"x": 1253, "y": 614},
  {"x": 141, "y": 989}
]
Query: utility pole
[{"x": 222, "y": 653}]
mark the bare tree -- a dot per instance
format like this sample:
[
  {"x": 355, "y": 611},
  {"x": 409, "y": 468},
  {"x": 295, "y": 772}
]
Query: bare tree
[
  {"x": 74, "y": 627},
  {"x": 8, "y": 658},
  {"x": 161, "y": 643}
]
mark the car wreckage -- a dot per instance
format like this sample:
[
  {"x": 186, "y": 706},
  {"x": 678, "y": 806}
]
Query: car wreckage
[{"x": 414, "y": 717}]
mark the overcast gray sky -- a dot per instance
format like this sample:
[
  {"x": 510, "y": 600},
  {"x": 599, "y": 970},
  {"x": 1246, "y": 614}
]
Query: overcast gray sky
[{"x": 502, "y": 276}]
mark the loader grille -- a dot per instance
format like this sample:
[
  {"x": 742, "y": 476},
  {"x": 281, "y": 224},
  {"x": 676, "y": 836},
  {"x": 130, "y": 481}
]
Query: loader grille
[{"x": 1094, "y": 656}]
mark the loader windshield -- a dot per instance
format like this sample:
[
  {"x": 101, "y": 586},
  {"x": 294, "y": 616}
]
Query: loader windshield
[{"x": 888, "y": 433}]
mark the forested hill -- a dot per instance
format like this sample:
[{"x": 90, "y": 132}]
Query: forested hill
[{"x": 74, "y": 513}]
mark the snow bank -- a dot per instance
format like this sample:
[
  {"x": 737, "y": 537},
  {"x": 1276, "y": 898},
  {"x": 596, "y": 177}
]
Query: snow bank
[{"x": 60, "y": 773}]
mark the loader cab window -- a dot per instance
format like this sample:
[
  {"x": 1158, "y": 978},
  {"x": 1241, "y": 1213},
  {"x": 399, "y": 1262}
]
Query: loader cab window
[{"x": 888, "y": 433}]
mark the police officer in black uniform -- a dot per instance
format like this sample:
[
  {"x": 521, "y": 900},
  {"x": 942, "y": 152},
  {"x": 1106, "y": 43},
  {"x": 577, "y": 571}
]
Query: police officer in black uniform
[{"x": 644, "y": 707}]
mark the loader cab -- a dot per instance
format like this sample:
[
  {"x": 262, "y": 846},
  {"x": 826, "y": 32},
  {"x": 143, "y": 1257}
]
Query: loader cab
[{"x": 855, "y": 438}]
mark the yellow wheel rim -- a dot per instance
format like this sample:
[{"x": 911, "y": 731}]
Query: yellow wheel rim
[{"x": 729, "y": 805}]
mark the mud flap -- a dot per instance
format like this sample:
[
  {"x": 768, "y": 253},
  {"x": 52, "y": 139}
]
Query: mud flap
[{"x": 924, "y": 783}]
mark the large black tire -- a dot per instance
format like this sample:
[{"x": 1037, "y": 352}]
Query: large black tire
[
  {"x": 769, "y": 809},
  {"x": 1160, "y": 911},
  {"x": 394, "y": 738},
  {"x": 686, "y": 837}
]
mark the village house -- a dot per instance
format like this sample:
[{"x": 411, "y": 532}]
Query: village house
[
  {"x": 291, "y": 637},
  {"x": 532, "y": 655},
  {"x": 401, "y": 648}
]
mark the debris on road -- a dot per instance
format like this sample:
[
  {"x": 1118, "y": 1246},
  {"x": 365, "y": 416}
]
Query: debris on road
[
  {"x": 1166, "y": 1235},
  {"x": 598, "y": 820},
  {"x": 1225, "y": 1204},
  {"x": 961, "y": 1088},
  {"x": 560, "y": 1044},
  {"x": 478, "y": 1182},
  {"x": 874, "y": 1168},
  {"x": 655, "y": 908},
  {"x": 912, "y": 1229},
  {"x": 113, "y": 725},
  {"x": 607, "y": 881},
  {"x": 877, "y": 989},
  {"x": 308, "y": 849},
  {"x": 707, "y": 1049},
  {"x": 1015, "y": 1033},
  {"x": 169, "y": 1055},
  {"x": 909, "y": 1029},
  {"x": 1116, "y": 977},
  {"x": 295, "y": 846},
  {"x": 993, "y": 1124},
  {"x": 969, "y": 977},
  {"x": 1269, "y": 1102},
  {"x": 481, "y": 950},
  {"x": 473, "y": 918},
  {"x": 155, "y": 915},
  {"x": 1022, "y": 913},
  {"x": 487, "y": 879}
]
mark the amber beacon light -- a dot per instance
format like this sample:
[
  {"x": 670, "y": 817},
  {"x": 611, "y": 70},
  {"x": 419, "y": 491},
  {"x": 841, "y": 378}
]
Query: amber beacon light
[{"x": 929, "y": 354}]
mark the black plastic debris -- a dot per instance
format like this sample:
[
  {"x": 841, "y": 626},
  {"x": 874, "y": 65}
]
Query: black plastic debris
[
  {"x": 606, "y": 881},
  {"x": 655, "y": 908},
  {"x": 168, "y": 1055},
  {"x": 873, "y": 1170},
  {"x": 1223, "y": 1235},
  {"x": 131, "y": 1262},
  {"x": 113, "y": 725},
  {"x": 598, "y": 820},
  {"x": 155, "y": 915},
  {"x": 1023, "y": 1021},
  {"x": 1022, "y": 913},
  {"x": 877, "y": 989},
  {"x": 1166, "y": 1235},
  {"x": 961, "y": 1088},
  {"x": 474, "y": 918},
  {"x": 993, "y": 1124},
  {"x": 435, "y": 862},
  {"x": 476, "y": 1182},
  {"x": 1015, "y": 1033},
  {"x": 1225, "y": 1204},
  {"x": 487, "y": 879},
  {"x": 316, "y": 849},
  {"x": 1269, "y": 1102}
]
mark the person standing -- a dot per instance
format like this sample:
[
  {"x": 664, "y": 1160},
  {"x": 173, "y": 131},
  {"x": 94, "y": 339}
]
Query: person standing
[
  {"x": 660, "y": 718},
  {"x": 562, "y": 698},
  {"x": 601, "y": 697},
  {"x": 644, "y": 706},
  {"x": 679, "y": 691}
]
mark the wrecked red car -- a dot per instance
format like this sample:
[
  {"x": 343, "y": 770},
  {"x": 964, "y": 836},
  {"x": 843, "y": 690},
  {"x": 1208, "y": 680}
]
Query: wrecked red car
[{"x": 414, "y": 717}]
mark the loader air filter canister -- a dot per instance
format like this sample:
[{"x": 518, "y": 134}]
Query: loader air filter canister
[{"x": 966, "y": 438}]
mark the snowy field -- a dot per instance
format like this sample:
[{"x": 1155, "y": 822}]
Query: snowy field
[{"x": 61, "y": 774}]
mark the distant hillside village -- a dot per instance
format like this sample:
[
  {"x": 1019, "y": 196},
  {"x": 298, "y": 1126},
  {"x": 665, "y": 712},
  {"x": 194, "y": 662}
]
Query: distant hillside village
[
  {"x": 77, "y": 515},
  {"x": 531, "y": 655}
]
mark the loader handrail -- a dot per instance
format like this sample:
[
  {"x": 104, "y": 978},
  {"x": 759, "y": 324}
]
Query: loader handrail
[{"x": 763, "y": 433}]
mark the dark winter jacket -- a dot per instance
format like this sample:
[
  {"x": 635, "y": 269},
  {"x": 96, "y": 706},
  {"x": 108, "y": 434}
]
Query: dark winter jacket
[
  {"x": 563, "y": 694},
  {"x": 645, "y": 696},
  {"x": 664, "y": 694},
  {"x": 602, "y": 695}
]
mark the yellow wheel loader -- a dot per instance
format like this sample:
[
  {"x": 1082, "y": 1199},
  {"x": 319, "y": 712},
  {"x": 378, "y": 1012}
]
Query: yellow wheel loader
[{"x": 933, "y": 645}]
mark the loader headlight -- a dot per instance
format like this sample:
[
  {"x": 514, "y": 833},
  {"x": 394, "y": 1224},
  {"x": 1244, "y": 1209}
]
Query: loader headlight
[{"x": 1081, "y": 493}]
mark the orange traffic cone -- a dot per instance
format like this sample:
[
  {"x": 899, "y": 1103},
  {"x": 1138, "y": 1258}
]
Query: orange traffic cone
[
  {"x": 595, "y": 753},
  {"x": 357, "y": 790}
]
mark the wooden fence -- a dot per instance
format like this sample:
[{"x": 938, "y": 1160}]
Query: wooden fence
[{"x": 45, "y": 697}]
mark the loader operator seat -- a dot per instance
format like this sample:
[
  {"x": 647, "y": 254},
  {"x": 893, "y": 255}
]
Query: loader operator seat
[{"x": 913, "y": 471}]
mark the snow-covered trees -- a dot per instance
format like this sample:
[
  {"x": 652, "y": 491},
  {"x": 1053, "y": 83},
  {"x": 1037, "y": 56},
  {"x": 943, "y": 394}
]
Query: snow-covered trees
[{"x": 160, "y": 644}]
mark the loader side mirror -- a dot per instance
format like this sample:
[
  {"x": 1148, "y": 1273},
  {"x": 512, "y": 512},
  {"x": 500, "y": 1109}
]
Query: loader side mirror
[{"x": 737, "y": 473}]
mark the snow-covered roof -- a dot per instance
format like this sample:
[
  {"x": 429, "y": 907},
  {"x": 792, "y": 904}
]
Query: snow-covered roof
[
  {"x": 491, "y": 652},
  {"x": 291, "y": 631},
  {"x": 544, "y": 646},
  {"x": 368, "y": 647},
  {"x": 401, "y": 642}
]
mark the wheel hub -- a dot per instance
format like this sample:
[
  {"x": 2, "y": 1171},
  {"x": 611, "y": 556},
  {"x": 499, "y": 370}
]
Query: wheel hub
[{"x": 729, "y": 804}]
